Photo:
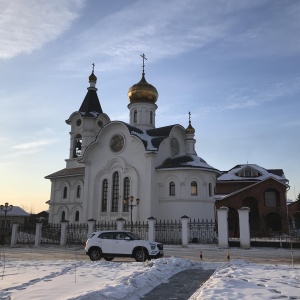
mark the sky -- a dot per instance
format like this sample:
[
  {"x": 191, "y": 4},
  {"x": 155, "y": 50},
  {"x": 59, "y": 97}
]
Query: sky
[
  {"x": 235, "y": 65},
  {"x": 55, "y": 279}
]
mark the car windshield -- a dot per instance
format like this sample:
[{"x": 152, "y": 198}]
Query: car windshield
[{"x": 133, "y": 236}]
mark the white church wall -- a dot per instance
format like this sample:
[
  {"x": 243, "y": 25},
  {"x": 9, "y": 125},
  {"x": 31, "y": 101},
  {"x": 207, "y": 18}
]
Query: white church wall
[
  {"x": 183, "y": 203},
  {"x": 105, "y": 163}
]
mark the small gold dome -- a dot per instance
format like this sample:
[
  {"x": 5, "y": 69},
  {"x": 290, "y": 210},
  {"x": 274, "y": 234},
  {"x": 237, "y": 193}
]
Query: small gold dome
[
  {"x": 92, "y": 77},
  {"x": 190, "y": 129},
  {"x": 142, "y": 92}
]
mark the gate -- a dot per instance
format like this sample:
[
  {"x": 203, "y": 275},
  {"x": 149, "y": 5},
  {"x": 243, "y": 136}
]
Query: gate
[
  {"x": 168, "y": 232},
  {"x": 202, "y": 232}
]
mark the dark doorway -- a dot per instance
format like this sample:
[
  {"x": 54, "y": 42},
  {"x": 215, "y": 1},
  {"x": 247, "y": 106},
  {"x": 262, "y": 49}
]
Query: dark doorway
[{"x": 273, "y": 222}]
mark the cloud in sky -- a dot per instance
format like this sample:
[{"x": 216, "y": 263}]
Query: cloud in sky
[
  {"x": 34, "y": 144},
  {"x": 27, "y": 25},
  {"x": 169, "y": 28}
]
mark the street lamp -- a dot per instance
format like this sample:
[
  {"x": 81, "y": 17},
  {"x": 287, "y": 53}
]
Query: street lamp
[
  {"x": 131, "y": 205},
  {"x": 6, "y": 208}
]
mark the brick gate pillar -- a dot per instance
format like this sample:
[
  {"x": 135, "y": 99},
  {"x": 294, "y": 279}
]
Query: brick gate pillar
[
  {"x": 245, "y": 239},
  {"x": 151, "y": 229},
  {"x": 222, "y": 214},
  {"x": 91, "y": 227},
  {"x": 184, "y": 230},
  {"x": 64, "y": 232},
  {"x": 14, "y": 234},
  {"x": 38, "y": 234}
]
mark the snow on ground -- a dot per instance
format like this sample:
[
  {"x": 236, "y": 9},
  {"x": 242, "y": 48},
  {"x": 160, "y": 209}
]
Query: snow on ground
[{"x": 59, "y": 279}]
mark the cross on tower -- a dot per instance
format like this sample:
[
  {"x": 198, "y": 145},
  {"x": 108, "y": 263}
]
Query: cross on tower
[
  {"x": 144, "y": 57},
  {"x": 189, "y": 117},
  {"x": 93, "y": 66}
]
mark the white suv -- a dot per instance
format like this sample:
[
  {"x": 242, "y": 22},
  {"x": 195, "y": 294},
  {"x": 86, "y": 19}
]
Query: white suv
[{"x": 115, "y": 243}]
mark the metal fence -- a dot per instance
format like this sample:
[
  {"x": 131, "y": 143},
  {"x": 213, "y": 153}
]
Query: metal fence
[
  {"x": 99, "y": 226},
  {"x": 77, "y": 233},
  {"x": 5, "y": 236},
  {"x": 26, "y": 234},
  {"x": 202, "y": 232},
  {"x": 168, "y": 232},
  {"x": 139, "y": 228},
  {"x": 51, "y": 234}
]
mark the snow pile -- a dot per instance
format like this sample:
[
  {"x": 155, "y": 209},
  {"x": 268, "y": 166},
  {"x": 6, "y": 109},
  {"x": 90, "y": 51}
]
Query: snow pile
[
  {"x": 104, "y": 280},
  {"x": 241, "y": 280},
  {"x": 87, "y": 280}
]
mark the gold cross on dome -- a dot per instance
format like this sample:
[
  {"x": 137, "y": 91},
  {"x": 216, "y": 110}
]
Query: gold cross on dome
[
  {"x": 144, "y": 57},
  {"x": 93, "y": 66}
]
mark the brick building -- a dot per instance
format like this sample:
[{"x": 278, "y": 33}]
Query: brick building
[{"x": 262, "y": 190}]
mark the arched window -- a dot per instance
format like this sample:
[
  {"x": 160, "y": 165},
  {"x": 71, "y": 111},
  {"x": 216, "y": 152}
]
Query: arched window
[
  {"x": 271, "y": 198},
  {"x": 77, "y": 216},
  {"x": 78, "y": 191},
  {"x": 104, "y": 195},
  {"x": 77, "y": 145},
  {"x": 126, "y": 193},
  {"x": 209, "y": 189},
  {"x": 135, "y": 116},
  {"x": 65, "y": 193},
  {"x": 172, "y": 188},
  {"x": 151, "y": 117},
  {"x": 115, "y": 192},
  {"x": 63, "y": 216},
  {"x": 194, "y": 191}
]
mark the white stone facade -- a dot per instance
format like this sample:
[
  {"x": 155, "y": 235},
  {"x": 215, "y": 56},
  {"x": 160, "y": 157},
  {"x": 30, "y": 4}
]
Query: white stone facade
[{"x": 110, "y": 161}]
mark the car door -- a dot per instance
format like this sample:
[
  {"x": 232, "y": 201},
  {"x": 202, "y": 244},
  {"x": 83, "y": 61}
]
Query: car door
[
  {"x": 106, "y": 242},
  {"x": 122, "y": 243}
]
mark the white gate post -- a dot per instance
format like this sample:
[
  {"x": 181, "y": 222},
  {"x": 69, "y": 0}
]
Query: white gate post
[
  {"x": 184, "y": 230},
  {"x": 151, "y": 229},
  {"x": 120, "y": 224},
  {"x": 38, "y": 234},
  {"x": 222, "y": 214},
  {"x": 244, "y": 227},
  {"x": 14, "y": 234},
  {"x": 64, "y": 232},
  {"x": 91, "y": 229}
]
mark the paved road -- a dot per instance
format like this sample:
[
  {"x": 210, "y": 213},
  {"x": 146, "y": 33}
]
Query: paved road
[
  {"x": 181, "y": 286},
  {"x": 209, "y": 253}
]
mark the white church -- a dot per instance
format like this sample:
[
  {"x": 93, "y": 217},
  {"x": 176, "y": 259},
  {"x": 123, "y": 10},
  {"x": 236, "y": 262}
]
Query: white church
[{"x": 130, "y": 170}]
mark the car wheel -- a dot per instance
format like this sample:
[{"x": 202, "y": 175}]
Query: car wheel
[
  {"x": 108, "y": 258},
  {"x": 140, "y": 255},
  {"x": 95, "y": 254}
]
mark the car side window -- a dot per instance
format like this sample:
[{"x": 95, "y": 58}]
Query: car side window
[
  {"x": 120, "y": 235},
  {"x": 106, "y": 235}
]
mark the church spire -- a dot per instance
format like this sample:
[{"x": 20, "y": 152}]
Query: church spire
[
  {"x": 91, "y": 104},
  {"x": 190, "y": 141},
  {"x": 190, "y": 129}
]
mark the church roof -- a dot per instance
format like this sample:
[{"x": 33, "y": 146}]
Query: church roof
[
  {"x": 90, "y": 106},
  {"x": 186, "y": 162},
  {"x": 151, "y": 138},
  {"x": 15, "y": 212},
  {"x": 251, "y": 172},
  {"x": 67, "y": 172}
]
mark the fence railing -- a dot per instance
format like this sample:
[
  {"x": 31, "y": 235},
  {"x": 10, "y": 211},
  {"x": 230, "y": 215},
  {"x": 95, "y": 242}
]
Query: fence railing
[
  {"x": 139, "y": 228},
  {"x": 26, "y": 234},
  {"x": 202, "y": 231},
  {"x": 168, "y": 232},
  {"x": 77, "y": 233},
  {"x": 51, "y": 234}
]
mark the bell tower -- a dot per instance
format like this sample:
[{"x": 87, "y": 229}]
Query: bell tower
[{"x": 85, "y": 123}]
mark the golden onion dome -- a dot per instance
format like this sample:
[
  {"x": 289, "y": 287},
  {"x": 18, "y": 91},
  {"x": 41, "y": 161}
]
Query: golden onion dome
[
  {"x": 142, "y": 92},
  {"x": 190, "y": 129},
  {"x": 92, "y": 77}
]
